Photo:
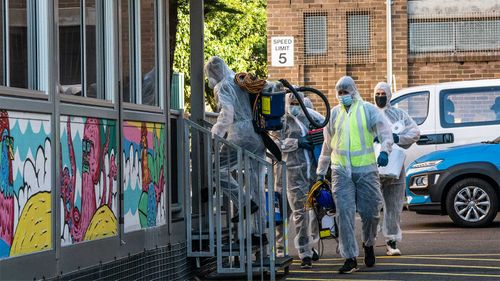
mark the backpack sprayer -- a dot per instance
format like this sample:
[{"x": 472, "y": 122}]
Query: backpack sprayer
[
  {"x": 315, "y": 134},
  {"x": 268, "y": 101},
  {"x": 268, "y": 108},
  {"x": 320, "y": 200}
]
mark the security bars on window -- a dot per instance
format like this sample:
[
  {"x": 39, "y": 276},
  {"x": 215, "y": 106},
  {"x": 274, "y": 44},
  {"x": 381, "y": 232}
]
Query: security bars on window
[
  {"x": 335, "y": 36},
  {"x": 465, "y": 34}
]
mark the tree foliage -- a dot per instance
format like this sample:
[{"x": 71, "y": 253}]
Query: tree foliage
[{"x": 235, "y": 30}]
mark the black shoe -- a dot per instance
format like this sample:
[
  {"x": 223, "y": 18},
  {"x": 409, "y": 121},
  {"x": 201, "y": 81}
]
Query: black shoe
[
  {"x": 369, "y": 256},
  {"x": 392, "y": 249},
  {"x": 315, "y": 256},
  {"x": 306, "y": 263},
  {"x": 350, "y": 266},
  {"x": 253, "y": 208}
]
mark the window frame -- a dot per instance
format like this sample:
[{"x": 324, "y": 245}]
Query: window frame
[
  {"x": 38, "y": 16},
  {"x": 135, "y": 57},
  {"x": 445, "y": 93},
  {"x": 413, "y": 94},
  {"x": 105, "y": 34}
]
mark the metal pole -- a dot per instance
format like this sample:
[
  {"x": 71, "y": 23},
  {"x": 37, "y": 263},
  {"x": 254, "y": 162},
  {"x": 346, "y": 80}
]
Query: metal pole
[
  {"x": 197, "y": 59},
  {"x": 197, "y": 97},
  {"x": 284, "y": 207},
  {"x": 272, "y": 224}
]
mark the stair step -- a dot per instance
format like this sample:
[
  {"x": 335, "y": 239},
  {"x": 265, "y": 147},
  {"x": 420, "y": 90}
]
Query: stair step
[{"x": 281, "y": 263}]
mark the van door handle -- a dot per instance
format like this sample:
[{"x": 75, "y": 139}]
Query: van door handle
[
  {"x": 448, "y": 138},
  {"x": 424, "y": 139}
]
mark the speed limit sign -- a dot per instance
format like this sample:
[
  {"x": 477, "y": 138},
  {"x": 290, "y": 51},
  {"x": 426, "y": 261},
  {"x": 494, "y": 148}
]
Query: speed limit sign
[{"x": 282, "y": 51}]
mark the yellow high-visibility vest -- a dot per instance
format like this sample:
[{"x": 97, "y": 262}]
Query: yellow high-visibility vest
[{"x": 352, "y": 139}]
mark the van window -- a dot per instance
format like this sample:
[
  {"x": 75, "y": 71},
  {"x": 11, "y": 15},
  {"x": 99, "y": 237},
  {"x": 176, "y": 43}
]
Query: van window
[
  {"x": 470, "y": 107},
  {"x": 416, "y": 104}
]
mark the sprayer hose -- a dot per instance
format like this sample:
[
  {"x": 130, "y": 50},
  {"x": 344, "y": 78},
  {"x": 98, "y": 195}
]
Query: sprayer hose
[{"x": 302, "y": 105}]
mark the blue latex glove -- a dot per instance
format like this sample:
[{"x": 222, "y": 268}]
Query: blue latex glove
[
  {"x": 375, "y": 139},
  {"x": 305, "y": 143},
  {"x": 395, "y": 137},
  {"x": 383, "y": 159},
  {"x": 320, "y": 178}
]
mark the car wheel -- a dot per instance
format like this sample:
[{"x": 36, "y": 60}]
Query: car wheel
[{"x": 472, "y": 203}]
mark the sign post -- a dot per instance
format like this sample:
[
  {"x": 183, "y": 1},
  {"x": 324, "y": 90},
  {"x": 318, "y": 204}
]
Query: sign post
[{"x": 282, "y": 51}]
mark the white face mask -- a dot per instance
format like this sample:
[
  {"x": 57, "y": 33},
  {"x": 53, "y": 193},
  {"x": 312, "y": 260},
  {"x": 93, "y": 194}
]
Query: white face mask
[
  {"x": 295, "y": 110},
  {"x": 211, "y": 82}
]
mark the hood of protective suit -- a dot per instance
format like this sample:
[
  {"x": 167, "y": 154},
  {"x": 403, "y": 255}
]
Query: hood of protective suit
[
  {"x": 308, "y": 103},
  {"x": 347, "y": 84},
  {"x": 387, "y": 89},
  {"x": 298, "y": 160},
  {"x": 216, "y": 70}
]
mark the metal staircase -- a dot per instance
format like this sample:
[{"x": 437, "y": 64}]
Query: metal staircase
[{"x": 220, "y": 178}]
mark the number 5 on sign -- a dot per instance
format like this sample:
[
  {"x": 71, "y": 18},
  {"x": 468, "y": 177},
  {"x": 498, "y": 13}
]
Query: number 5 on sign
[{"x": 282, "y": 51}]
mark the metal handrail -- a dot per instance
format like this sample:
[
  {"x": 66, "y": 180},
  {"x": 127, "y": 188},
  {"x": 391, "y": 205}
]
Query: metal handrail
[
  {"x": 188, "y": 195},
  {"x": 233, "y": 258}
]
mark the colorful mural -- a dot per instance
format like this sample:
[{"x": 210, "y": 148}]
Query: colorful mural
[
  {"x": 25, "y": 183},
  {"x": 88, "y": 179},
  {"x": 144, "y": 175}
]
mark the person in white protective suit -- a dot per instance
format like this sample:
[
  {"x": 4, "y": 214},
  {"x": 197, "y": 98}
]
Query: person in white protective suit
[
  {"x": 405, "y": 133},
  {"x": 300, "y": 174},
  {"x": 235, "y": 119},
  {"x": 348, "y": 148},
  {"x": 313, "y": 222},
  {"x": 313, "y": 225},
  {"x": 314, "y": 114}
]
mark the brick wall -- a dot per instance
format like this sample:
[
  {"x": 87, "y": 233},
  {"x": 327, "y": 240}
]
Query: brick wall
[
  {"x": 285, "y": 19},
  {"x": 420, "y": 73}
]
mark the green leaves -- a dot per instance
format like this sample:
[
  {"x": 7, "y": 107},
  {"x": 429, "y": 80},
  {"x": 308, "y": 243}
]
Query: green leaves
[{"x": 235, "y": 30}]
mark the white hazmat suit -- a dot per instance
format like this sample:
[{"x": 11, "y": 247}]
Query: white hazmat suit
[
  {"x": 300, "y": 175},
  {"x": 235, "y": 119},
  {"x": 406, "y": 133},
  {"x": 355, "y": 188}
]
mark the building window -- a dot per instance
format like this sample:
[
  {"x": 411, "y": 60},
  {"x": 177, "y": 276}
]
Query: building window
[
  {"x": 14, "y": 63},
  {"x": 315, "y": 34},
  {"x": 454, "y": 35},
  {"x": 78, "y": 47},
  {"x": 139, "y": 59},
  {"x": 335, "y": 36},
  {"x": 358, "y": 37}
]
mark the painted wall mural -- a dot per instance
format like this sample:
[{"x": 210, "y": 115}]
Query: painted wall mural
[
  {"x": 89, "y": 175},
  {"x": 144, "y": 175},
  {"x": 25, "y": 183}
]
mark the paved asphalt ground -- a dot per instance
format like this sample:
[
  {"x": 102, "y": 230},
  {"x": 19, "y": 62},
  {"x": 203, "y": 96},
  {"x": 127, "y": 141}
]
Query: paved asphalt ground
[{"x": 433, "y": 248}]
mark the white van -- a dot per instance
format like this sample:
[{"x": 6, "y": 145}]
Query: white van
[{"x": 451, "y": 114}]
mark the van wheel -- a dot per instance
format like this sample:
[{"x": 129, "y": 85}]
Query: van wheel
[{"x": 472, "y": 203}]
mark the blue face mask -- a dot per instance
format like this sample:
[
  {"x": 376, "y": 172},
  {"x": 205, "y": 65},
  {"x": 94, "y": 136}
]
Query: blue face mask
[
  {"x": 294, "y": 110},
  {"x": 346, "y": 100}
]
